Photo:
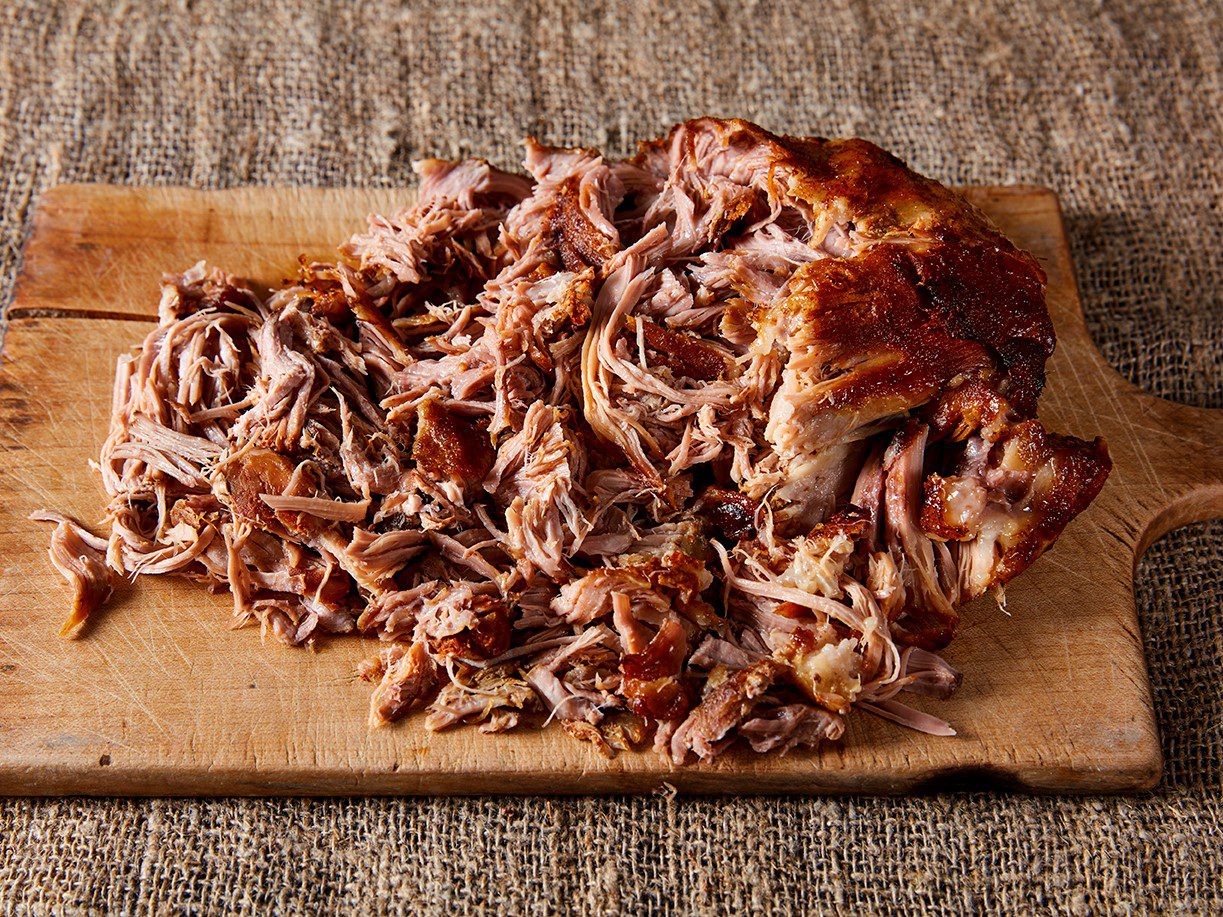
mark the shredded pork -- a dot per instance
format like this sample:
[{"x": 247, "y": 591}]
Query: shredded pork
[{"x": 706, "y": 445}]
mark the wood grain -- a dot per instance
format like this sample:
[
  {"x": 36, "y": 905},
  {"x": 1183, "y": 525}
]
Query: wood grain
[
  {"x": 162, "y": 697},
  {"x": 100, "y": 250}
]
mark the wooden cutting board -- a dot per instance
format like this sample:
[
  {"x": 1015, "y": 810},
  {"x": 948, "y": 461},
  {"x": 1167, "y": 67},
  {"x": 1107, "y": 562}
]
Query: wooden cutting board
[{"x": 162, "y": 697}]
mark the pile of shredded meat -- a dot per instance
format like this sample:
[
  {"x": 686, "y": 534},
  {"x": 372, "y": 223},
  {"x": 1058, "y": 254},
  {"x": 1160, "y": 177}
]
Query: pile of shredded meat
[{"x": 701, "y": 446}]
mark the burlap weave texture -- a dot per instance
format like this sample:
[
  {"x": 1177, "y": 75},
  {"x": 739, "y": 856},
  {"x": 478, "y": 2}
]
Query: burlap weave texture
[{"x": 1115, "y": 106}]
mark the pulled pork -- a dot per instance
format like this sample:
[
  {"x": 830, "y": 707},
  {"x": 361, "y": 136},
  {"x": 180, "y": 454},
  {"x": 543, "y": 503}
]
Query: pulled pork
[{"x": 705, "y": 445}]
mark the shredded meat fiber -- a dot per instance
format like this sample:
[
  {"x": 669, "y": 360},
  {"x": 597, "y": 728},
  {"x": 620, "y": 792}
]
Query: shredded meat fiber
[{"x": 706, "y": 445}]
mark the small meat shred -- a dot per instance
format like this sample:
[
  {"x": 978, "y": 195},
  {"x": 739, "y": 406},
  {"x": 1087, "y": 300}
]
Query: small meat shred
[
  {"x": 81, "y": 557},
  {"x": 408, "y": 677},
  {"x": 704, "y": 446}
]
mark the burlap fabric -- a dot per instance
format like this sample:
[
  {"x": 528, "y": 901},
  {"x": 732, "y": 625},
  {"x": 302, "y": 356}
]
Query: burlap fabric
[{"x": 1114, "y": 106}]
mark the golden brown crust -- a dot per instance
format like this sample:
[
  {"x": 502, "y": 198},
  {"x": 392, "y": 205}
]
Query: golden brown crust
[
  {"x": 1034, "y": 484},
  {"x": 448, "y": 446},
  {"x": 684, "y": 354},
  {"x": 732, "y": 513},
  {"x": 652, "y": 684},
  {"x": 1070, "y": 472},
  {"x": 571, "y": 233},
  {"x": 261, "y": 471},
  {"x": 920, "y": 247},
  {"x": 489, "y": 638},
  {"x": 848, "y": 176},
  {"x": 883, "y": 350}
]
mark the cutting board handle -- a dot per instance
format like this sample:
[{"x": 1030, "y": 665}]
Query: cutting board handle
[
  {"x": 1167, "y": 457},
  {"x": 1182, "y": 448}
]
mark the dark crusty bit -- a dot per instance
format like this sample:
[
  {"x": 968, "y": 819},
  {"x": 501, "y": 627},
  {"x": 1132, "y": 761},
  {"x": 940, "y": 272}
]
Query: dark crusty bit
[{"x": 449, "y": 447}]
